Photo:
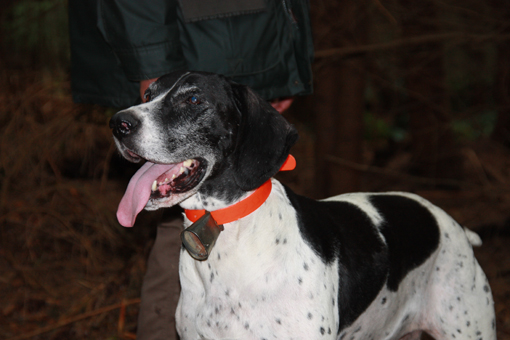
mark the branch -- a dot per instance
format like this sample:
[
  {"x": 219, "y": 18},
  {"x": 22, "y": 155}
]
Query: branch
[
  {"x": 400, "y": 175},
  {"x": 423, "y": 39}
]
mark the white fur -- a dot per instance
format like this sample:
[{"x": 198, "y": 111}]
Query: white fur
[{"x": 263, "y": 281}]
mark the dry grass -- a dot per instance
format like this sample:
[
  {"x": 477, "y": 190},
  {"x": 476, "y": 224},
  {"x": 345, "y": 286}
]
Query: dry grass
[{"x": 62, "y": 253}]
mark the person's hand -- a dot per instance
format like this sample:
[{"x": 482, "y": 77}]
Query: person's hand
[
  {"x": 144, "y": 84},
  {"x": 282, "y": 104}
]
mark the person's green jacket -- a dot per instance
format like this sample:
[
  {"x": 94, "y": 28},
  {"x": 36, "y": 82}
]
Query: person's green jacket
[{"x": 266, "y": 44}]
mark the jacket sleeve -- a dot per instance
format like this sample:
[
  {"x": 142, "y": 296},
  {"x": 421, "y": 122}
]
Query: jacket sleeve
[{"x": 143, "y": 35}]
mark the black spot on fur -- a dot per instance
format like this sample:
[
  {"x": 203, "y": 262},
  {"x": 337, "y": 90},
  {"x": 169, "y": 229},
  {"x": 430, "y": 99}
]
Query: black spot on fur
[
  {"x": 342, "y": 230},
  {"x": 411, "y": 232},
  {"x": 322, "y": 330}
]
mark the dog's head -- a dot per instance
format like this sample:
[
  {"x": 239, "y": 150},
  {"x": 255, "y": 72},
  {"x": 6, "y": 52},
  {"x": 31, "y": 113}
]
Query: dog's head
[{"x": 202, "y": 135}]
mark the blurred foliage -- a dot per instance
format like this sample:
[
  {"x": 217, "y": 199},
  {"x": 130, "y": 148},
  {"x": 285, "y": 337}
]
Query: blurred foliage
[
  {"x": 377, "y": 128},
  {"x": 475, "y": 127},
  {"x": 35, "y": 34},
  {"x": 471, "y": 128}
]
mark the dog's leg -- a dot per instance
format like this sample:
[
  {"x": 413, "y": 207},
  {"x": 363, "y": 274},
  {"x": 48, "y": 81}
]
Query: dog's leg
[
  {"x": 416, "y": 335},
  {"x": 469, "y": 313},
  {"x": 461, "y": 304}
]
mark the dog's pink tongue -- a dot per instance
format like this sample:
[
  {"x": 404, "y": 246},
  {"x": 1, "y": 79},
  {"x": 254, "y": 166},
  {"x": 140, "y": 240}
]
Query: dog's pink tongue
[{"x": 138, "y": 192}]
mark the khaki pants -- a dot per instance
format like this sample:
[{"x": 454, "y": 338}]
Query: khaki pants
[{"x": 160, "y": 289}]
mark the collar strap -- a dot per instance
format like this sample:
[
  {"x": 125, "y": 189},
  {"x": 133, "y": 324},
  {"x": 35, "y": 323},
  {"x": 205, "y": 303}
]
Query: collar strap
[
  {"x": 289, "y": 164},
  {"x": 246, "y": 206},
  {"x": 237, "y": 211}
]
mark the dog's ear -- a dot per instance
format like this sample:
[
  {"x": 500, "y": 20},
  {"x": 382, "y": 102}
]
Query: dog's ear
[{"x": 263, "y": 142}]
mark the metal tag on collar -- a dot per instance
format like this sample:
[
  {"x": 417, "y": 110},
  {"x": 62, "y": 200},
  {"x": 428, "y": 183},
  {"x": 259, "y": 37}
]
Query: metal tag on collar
[{"x": 200, "y": 237}]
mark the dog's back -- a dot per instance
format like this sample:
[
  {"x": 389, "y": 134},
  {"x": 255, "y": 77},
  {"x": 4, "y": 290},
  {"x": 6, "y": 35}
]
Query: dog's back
[{"x": 363, "y": 266}]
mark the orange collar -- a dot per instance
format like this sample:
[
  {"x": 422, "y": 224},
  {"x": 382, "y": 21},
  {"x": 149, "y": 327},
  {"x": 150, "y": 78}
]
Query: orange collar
[{"x": 246, "y": 206}]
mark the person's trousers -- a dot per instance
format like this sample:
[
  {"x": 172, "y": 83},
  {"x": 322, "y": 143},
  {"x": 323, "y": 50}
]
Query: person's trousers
[{"x": 160, "y": 288}]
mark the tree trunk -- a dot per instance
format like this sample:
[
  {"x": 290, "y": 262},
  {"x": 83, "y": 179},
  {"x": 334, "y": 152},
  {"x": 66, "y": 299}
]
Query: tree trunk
[
  {"x": 435, "y": 154},
  {"x": 501, "y": 131},
  {"x": 338, "y": 101}
]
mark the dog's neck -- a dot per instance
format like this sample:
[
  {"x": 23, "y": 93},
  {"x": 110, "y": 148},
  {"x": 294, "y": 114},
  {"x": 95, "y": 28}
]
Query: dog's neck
[
  {"x": 201, "y": 203},
  {"x": 242, "y": 208}
]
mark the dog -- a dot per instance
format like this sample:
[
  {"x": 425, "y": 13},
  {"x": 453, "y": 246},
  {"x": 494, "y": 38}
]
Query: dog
[{"x": 355, "y": 266}]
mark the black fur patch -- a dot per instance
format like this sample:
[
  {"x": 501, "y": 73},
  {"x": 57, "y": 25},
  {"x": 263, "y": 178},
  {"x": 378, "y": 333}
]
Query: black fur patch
[
  {"x": 263, "y": 141},
  {"x": 342, "y": 230},
  {"x": 411, "y": 233}
]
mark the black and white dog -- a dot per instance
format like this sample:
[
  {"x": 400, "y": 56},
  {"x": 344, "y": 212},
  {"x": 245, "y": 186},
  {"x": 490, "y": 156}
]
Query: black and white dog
[{"x": 355, "y": 266}]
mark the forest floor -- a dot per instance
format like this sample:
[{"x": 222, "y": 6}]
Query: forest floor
[{"x": 68, "y": 270}]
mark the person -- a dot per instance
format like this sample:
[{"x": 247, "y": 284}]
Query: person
[{"x": 119, "y": 47}]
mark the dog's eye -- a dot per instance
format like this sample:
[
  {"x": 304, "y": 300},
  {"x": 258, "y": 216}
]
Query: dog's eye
[{"x": 193, "y": 100}]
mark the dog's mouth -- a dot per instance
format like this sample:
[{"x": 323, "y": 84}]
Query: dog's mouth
[
  {"x": 153, "y": 184},
  {"x": 179, "y": 178}
]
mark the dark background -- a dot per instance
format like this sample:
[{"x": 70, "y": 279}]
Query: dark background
[{"x": 409, "y": 95}]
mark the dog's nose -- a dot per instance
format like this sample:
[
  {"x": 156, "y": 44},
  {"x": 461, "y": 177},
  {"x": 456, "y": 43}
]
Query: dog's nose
[{"x": 123, "y": 123}]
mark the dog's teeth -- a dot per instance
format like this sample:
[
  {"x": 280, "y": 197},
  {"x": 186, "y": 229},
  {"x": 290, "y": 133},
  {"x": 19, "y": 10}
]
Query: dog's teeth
[
  {"x": 173, "y": 176},
  {"x": 166, "y": 180},
  {"x": 181, "y": 170},
  {"x": 154, "y": 185},
  {"x": 187, "y": 163}
]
